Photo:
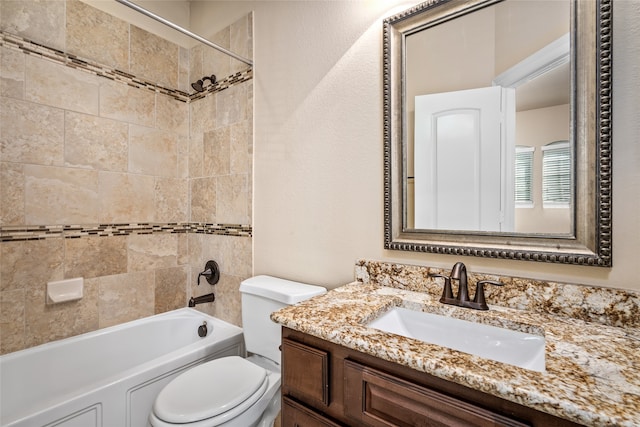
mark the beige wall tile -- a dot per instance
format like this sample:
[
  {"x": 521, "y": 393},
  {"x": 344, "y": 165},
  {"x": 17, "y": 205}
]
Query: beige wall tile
[
  {"x": 170, "y": 289},
  {"x": 183, "y": 249},
  {"x": 125, "y": 297},
  {"x": 11, "y": 194},
  {"x": 95, "y": 143},
  {"x": 232, "y": 253},
  {"x": 60, "y": 86},
  {"x": 55, "y": 195},
  {"x": 241, "y": 147},
  {"x": 183, "y": 156},
  {"x": 171, "y": 200},
  {"x": 207, "y": 247},
  {"x": 152, "y": 251},
  {"x": 203, "y": 200},
  {"x": 196, "y": 153},
  {"x": 216, "y": 152},
  {"x": 126, "y": 198},
  {"x": 45, "y": 323},
  {"x": 97, "y": 35},
  {"x": 232, "y": 199},
  {"x": 31, "y": 263},
  {"x": 203, "y": 114},
  {"x": 227, "y": 305},
  {"x": 31, "y": 133},
  {"x": 95, "y": 256},
  {"x": 12, "y": 321},
  {"x": 195, "y": 64},
  {"x": 98, "y": 113},
  {"x": 153, "y": 152},
  {"x": 184, "y": 84},
  {"x": 231, "y": 105},
  {"x": 173, "y": 115},
  {"x": 127, "y": 104},
  {"x": 154, "y": 58},
  {"x": 11, "y": 73},
  {"x": 215, "y": 62},
  {"x": 238, "y": 260},
  {"x": 39, "y": 21},
  {"x": 241, "y": 41},
  {"x": 196, "y": 251}
]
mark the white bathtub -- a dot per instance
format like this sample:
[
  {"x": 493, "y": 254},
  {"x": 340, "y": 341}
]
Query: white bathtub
[{"x": 110, "y": 377}]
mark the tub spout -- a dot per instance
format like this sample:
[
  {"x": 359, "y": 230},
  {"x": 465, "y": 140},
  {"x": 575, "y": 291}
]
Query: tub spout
[{"x": 201, "y": 299}]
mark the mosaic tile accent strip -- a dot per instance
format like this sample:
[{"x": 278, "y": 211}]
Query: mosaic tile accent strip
[
  {"x": 224, "y": 229},
  {"x": 28, "y": 47},
  {"x": 606, "y": 306},
  {"x": 226, "y": 83},
  {"x": 39, "y": 232}
]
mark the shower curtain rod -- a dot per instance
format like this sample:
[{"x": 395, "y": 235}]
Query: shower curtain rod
[{"x": 184, "y": 31}]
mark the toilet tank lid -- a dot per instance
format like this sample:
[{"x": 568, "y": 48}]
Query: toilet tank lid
[{"x": 285, "y": 291}]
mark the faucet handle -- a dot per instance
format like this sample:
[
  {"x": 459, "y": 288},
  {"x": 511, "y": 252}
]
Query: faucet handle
[
  {"x": 447, "y": 293},
  {"x": 479, "y": 300}
]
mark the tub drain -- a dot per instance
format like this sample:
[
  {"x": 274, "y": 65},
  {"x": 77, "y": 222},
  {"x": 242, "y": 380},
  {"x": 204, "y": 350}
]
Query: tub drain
[{"x": 202, "y": 330}]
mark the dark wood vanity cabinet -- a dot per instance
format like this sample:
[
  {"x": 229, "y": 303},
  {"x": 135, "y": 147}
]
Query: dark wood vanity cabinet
[{"x": 327, "y": 385}]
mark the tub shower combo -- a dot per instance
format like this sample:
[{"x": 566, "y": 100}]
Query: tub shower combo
[{"x": 109, "y": 376}]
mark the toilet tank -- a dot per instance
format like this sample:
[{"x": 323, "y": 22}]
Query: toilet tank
[{"x": 261, "y": 296}]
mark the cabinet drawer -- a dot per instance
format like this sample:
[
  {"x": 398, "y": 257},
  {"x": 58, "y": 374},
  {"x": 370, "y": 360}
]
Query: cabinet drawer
[
  {"x": 305, "y": 372},
  {"x": 378, "y": 399},
  {"x": 296, "y": 415}
]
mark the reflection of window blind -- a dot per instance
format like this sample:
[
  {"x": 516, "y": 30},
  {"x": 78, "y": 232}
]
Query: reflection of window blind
[
  {"x": 556, "y": 173},
  {"x": 524, "y": 176}
]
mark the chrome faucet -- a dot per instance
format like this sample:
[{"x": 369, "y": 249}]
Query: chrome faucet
[{"x": 461, "y": 299}]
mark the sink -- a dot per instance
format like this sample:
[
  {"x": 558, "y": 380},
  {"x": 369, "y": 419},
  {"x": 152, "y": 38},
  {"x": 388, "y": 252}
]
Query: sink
[{"x": 491, "y": 342}]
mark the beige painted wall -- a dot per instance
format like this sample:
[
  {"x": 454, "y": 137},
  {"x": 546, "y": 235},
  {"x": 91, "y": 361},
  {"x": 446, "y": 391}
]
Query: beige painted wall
[
  {"x": 537, "y": 128},
  {"x": 318, "y": 203}
]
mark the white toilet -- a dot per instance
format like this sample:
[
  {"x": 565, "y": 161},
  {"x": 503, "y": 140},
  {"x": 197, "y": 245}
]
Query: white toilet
[{"x": 232, "y": 391}]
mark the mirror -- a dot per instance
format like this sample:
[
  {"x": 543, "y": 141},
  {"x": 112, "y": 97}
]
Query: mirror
[{"x": 497, "y": 129}]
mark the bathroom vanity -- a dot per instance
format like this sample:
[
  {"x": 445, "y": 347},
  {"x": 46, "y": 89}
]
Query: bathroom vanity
[
  {"x": 340, "y": 371},
  {"x": 325, "y": 384}
]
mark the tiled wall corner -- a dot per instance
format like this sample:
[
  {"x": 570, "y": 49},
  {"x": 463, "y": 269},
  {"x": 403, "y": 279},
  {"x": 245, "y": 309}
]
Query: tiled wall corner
[
  {"x": 105, "y": 133},
  {"x": 220, "y": 165},
  {"x": 234, "y": 257}
]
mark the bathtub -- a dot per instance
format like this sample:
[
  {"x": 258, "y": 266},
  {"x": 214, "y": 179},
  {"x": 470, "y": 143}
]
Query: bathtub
[{"x": 110, "y": 377}]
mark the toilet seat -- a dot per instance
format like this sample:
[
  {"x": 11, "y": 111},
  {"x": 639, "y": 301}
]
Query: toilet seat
[{"x": 222, "y": 388}]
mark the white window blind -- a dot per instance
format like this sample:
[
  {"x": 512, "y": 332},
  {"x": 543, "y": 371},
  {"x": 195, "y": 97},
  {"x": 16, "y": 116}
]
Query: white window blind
[
  {"x": 524, "y": 176},
  {"x": 556, "y": 174}
]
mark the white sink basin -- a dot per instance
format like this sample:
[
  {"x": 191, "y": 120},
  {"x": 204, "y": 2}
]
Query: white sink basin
[{"x": 499, "y": 344}]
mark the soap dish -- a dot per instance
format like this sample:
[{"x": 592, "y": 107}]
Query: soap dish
[{"x": 64, "y": 290}]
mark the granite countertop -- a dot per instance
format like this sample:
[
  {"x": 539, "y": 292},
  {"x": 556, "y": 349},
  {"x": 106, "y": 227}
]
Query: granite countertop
[{"x": 592, "y": 372}]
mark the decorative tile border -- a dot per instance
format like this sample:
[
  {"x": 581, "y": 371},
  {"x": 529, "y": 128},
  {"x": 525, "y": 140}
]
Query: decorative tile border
[
  {"x": 226, "y": 83},
  {"x": 28, "y": 47},
  {"x": 39, "y": 232}
]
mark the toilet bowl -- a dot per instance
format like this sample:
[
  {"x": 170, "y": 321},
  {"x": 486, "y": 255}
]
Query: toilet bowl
[
  {"x": 234, "y": 391},
  {"x": 229, "y": 392}
]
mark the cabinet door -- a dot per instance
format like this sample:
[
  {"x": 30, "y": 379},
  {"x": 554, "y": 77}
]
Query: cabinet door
[
  {"x": 296, "y": 415},
  {"x": 305, "y": 372},
  {"x": 377, "y": 399}
]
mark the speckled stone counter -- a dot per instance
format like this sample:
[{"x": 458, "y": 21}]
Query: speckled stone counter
[{"x": 592, "y": 368}]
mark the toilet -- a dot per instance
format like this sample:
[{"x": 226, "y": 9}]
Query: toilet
[{"x": 234, "y": 391}]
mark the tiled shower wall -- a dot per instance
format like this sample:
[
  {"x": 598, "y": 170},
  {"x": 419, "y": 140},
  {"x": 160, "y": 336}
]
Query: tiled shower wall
[{"x": 110, "y": 171}]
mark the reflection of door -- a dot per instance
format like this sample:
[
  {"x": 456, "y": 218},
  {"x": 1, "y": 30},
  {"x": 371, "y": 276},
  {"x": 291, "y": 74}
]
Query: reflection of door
[{"x": 464, "y": 160}]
